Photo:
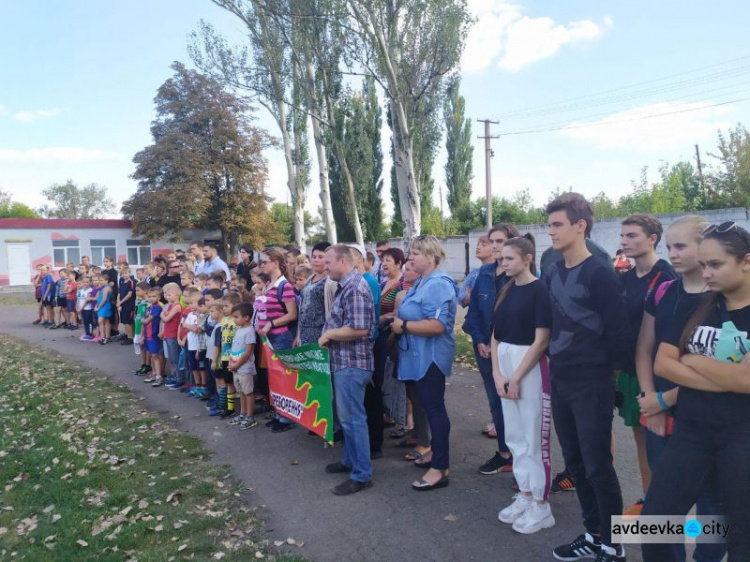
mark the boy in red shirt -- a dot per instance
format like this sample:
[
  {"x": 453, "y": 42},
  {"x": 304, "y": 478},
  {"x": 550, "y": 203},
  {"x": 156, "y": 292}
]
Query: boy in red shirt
[{"x": 70, "y": 302}]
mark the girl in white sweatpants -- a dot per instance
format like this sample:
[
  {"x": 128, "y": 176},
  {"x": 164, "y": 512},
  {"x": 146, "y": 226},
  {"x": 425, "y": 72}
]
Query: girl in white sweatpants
[{"x": 521, "y": 327}]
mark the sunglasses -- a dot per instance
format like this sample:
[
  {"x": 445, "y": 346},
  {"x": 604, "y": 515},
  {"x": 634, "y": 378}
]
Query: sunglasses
[{"x": 722, "y": 228}]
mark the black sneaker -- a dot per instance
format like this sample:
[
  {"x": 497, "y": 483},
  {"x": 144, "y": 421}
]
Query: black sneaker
[
  {"x": 497, "y": 464},
  {"x": 617, "y": 556},
  {"x": 585, "y": 546},
  {"x": 563, "y": 482},
  {"x": 226, "y": 414},
  {"x": 282, "y": 427}
]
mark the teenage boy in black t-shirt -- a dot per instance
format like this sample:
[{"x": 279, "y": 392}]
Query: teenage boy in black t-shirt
[
  {"x": 639, "y": 238},
  {"x": 589, "y": 334}
]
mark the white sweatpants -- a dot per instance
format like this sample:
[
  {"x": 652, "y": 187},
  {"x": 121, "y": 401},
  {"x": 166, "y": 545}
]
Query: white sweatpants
[{"x": 527, "y": 422}]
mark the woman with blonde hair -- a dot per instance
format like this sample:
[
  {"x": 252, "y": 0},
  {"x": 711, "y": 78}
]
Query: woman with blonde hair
[{"x": 425, "y": 322}]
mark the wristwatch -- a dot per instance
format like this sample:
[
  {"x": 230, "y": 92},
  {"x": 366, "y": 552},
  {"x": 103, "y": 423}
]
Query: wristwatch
[
  {"x": 403, "y": 325},
  {"x": 272, "y": 324}
]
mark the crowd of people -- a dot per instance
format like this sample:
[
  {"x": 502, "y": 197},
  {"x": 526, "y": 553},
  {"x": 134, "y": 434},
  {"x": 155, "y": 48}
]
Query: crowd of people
[{"x": 663, "y": 344}]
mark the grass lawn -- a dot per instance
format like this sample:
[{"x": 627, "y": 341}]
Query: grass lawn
[
  {"x": 88, "y": 474},
  {"x": 464, "y": 350}
]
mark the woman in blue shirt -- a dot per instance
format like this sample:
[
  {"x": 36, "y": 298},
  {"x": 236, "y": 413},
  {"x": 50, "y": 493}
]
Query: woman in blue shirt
[{"x": 425, "y": 324}]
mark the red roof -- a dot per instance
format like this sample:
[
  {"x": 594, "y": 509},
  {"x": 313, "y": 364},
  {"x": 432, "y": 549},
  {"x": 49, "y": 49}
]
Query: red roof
[{"x": 65, "y": 223}]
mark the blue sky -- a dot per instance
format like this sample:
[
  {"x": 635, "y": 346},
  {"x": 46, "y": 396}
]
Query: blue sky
[{"x": 78, "y": 78}]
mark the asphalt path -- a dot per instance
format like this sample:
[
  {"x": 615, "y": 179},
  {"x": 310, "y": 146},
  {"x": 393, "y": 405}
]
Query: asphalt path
[{"x": 387, "y": 522}]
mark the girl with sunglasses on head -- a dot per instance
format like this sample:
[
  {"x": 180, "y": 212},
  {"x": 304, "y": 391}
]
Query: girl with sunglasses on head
[
  {"x": 658, "y": 399},
  {"x": 707, "y": 357}
]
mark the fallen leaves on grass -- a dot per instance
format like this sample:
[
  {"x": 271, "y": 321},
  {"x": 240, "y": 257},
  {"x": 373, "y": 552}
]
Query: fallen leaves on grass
[
  {"x": 114, "y": 475},
  {"x": 27, "y": 525}
]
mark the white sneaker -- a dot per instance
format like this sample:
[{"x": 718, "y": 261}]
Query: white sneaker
[
  {"x": 515, "y": 510},
  {"x": 537, "y": 517}
]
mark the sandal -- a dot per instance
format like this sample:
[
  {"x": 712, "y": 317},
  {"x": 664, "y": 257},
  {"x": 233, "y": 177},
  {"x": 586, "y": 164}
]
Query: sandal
[
  {"x": 423, "y": 486},
  {"x": 415, "y": 455},
  {"x": 397, "y": 434}
]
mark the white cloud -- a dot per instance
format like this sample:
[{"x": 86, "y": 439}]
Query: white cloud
[
  {"x": 675, "y": 124},
  {"x": 3, "y": 111},
  {"x": 503, "y": 35},
  {"x": 49, "y": 155},
  {"x": 35, "y": 114}
]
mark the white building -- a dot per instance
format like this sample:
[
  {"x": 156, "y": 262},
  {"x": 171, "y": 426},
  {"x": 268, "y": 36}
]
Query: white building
[{"x": 27, "y": 243}]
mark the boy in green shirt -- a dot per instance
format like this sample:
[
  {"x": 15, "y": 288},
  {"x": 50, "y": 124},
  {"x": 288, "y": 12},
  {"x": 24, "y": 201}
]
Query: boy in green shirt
[{"x": 141, "y": 305}]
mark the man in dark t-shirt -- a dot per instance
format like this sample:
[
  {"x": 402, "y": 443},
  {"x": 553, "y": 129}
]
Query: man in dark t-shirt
[
  {"x": 639, "y": 237},
  {"x": 171, "y": 276},
  {"x": 589, "y": 336}
]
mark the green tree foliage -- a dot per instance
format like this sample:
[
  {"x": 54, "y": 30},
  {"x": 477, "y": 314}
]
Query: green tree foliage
[
  {"x": 728, "y": 178},
  {"x": 281, "y": 232},
  {"x": 205, "y": 168},
  {"x": 68, "y": 201},
  {"x": 458, "y": 168},
  {"x": 10, "y": 209},
  {"x": 410, "y": 47},
  {"x": 364, "y": 156}
]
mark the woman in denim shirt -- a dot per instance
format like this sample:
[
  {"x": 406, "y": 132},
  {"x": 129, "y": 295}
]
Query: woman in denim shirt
[{"x": 425, "y": 323}]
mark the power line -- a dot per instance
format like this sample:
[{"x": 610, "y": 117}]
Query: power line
[
  {"x": 612, "y": 122},
  {"x": 733, "y": 89},
  {"x": 596, "y": 102},
  {"x": 506, "y": 115}
]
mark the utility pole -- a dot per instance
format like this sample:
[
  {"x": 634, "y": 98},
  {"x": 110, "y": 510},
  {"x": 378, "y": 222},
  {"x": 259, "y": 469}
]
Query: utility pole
[
  {"x": 488, "y": 154},
  {"x": 700, "y": 167}
]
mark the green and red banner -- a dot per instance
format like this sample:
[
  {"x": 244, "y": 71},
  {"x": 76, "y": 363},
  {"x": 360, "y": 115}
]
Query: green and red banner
[{"x": 299, "y": 383}]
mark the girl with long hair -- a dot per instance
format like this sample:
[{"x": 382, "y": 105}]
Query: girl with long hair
[{"x": 522, "y": 321}]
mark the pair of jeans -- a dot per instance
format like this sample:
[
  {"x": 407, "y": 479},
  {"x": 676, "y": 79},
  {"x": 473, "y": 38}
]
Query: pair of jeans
[
  {"x": 374, "y": 397},
  {"x": 708, "y": 503},
  {"x": 283, "y": 340},
  {"x": 184, "y": 373},
  {"x": 496, "y": 403},
  {"x": 88, "y": 321},
  {"x": 431, "y": 394},
  {"x": 350, "y": 386},
  {"x": 172, "y": 351},
  {"x": 695, "y": 449},
  {"x": 582, "y": 410}
]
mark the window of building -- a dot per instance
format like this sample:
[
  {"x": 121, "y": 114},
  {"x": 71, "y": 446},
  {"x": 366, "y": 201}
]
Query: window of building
[
  {"x": 139, "y": 252},
  {"x": 101, "y": 249},
  {"x": 65, "y": 251}
]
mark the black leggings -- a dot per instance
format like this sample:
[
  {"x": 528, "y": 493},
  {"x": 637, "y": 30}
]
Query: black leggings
[{"x": 694, "y": 449}]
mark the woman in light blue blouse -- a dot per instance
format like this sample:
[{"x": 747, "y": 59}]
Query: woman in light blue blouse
[{"x": 425, "y": 324}]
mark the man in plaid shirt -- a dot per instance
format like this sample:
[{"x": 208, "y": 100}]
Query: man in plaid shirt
[{"x": 348, "y": 335}]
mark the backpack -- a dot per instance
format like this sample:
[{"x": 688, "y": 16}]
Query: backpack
[
  {"x": 661, "y": 290},
  {"x": 279, "y": 297}
]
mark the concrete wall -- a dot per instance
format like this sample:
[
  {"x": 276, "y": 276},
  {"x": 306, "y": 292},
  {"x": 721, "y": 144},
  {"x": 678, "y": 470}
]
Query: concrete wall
[{"x": 606, "y": 233}]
